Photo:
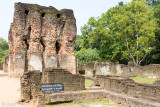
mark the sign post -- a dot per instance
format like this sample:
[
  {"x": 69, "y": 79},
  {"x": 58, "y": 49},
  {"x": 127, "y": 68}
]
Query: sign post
[{"x": 52, "y": 87}]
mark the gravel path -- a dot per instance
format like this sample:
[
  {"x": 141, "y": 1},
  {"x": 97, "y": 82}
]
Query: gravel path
[{"x": 9, "y": 91}]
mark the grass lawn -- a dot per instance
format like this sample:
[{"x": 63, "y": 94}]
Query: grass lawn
[
  {"x": 88, "y": 82},
  {"x": 144, "y": 80},
  {"x": 103, "y": 102}
]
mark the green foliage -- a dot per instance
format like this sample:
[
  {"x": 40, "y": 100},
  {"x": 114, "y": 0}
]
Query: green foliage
[
  {"x": 125, "y": 32},
  {"x": 121, "y": 3},
  {"x": 153, "y": 2},
  {"x": 154, "y": 56},
  {"x": 144, "y": 80},
  {"x": 3, "y": 49},
  {"x": 78, "y": 41},
  {"x": 86, "y": 55},
  {"x": 88, "y": 82}
]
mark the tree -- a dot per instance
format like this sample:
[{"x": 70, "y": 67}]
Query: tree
[
  {"x": 123, "y": 33},
  {"x": 153, "y": 2},
  {"x": 136, "y": 26},
  {"x": 3, "y": 49},
  {"x": 97, "y": 35},
  {"x": 84, "y": 55},
  {"x": 154, "y": 56},
  {"x": 78, "y": 42},
  {"x": 87, "y": 55}
]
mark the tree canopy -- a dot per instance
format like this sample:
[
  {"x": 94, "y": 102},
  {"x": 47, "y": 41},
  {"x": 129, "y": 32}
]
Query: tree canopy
[{"x": 126, "y": 32}]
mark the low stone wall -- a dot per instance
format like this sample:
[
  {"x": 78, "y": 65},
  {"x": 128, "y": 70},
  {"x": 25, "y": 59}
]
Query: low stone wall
[
  {"x": 30, "y": 85},
  {"x": 92, "y": 95},
  {"x": 129, "y": 87},
  {"x": 108, "y": 68},
  {"x": 149, "y": 71},
  {"x": 72, "y": 82},
  {"x": 31, "y": 82},
  {"x": 103, "y": 68}
]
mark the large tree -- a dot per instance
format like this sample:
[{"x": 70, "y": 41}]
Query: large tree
[{"x": 122, "y": 33}]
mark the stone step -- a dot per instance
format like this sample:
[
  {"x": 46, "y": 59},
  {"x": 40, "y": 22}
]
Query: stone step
[
  {"x": 93, "y": 88},
  {"x": 91, "y": 95}
]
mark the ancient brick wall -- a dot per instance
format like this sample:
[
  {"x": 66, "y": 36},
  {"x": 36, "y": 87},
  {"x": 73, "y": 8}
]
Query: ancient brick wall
[
  {"x": 94, "y": 95},
  {"x": 149, "y": 71},
  {"x": 31, "y": 82},
  {"x": 72, "y": 82},
  {"x": 103, "y": 68},
  {"x": 129, "y": 87},
  {"x": 107, "y": 68},
  {"x": 41, "y": 37},
  {"x": 30, "y": 85}
]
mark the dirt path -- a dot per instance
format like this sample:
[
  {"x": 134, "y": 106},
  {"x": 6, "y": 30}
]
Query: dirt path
[{"x": 9, "y": 91}]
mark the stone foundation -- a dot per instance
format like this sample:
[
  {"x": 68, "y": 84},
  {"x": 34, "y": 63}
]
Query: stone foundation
[
  {"x": 108, "y": 68},
  {"x": 72, "y": 82},
  {"x": 92, "y": 95},
  {"x": 129, "y": 87}
]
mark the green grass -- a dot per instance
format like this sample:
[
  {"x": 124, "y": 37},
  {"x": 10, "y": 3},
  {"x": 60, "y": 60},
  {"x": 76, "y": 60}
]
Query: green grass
[
  {"x": 88, "y": 82},
  {"x": 105, "y": 103},
  {"x": 144, "y": 80}
]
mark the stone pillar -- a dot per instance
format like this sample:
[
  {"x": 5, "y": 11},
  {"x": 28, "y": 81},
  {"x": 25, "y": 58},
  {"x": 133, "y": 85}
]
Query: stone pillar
[
  {"x": 102, "y": 68},
  {"x": 89, "y": 69},
  {"x": 35, "y": 62},
  {"x": 5, "y": 64},
  {"x": 68, "y": 62},
  {"x": 19, "y": 63}
]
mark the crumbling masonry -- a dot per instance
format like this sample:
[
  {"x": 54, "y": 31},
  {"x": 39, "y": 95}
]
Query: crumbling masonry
[{"x": 41, "y": 37}]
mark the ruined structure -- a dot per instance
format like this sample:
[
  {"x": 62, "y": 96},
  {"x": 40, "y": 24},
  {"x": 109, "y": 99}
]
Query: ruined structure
[
  {"x": 31, "y": 82},
  {"x": 41, "y": 37},
  {"x": 41, "y": 50}
]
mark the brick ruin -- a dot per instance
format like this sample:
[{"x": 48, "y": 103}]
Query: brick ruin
[
  {"x": 128, "y": 87},
  {"x": 41, "y": 37},
  {"x": 31, "y": 82},
  {"x": 108, "y": 68},
  {"x": 41, "y": 50}
]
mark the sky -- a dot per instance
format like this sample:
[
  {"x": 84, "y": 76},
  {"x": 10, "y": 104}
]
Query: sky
[{"x": 83, "y": 10}]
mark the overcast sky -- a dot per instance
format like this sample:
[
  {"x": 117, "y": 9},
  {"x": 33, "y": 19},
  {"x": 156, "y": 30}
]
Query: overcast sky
[{"x": 83, "y": 10}]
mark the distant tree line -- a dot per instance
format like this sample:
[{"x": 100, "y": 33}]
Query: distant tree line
[
  {"x": 3, "y": 49},
  {"x": 126, "y": 32}
]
